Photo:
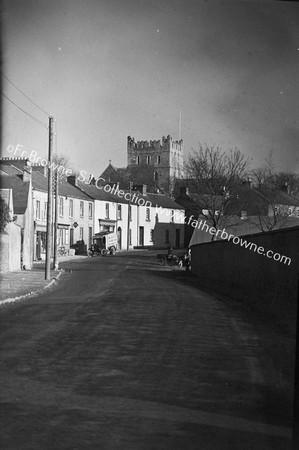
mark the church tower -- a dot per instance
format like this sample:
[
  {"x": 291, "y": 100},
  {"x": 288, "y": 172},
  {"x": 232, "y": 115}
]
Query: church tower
[{"x": 165, "y": 158}]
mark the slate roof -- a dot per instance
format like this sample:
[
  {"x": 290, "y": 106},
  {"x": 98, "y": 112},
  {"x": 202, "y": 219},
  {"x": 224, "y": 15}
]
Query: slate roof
[
  {"x": 256, "y": 200},
  {"x": 20, "y": 191},
  {"x": 155, "y": 199},
  {"x": 10, "y": 170},
  {"x": 40, "y": 183}
]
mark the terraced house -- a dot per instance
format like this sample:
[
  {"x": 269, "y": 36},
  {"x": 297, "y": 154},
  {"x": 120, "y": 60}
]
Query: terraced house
[{"x": 140, "y": 219}]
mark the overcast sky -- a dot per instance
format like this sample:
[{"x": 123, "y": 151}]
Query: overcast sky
[{"x": 106, "y": 69}]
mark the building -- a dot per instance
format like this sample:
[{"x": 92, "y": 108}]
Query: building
[
  {"x": 165, "y": 157},
  {"x": 75, "y": 209},
  {"x": 19, "y": 182},
  {"x": 252, "y": 210},
  {"x": 74, "y": 219},
  {"x": 10, "y": 237},
  {"x": 140, "y": 219}
]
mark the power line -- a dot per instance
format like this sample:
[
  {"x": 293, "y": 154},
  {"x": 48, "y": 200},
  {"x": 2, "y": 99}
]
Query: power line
[
  {"x": 45, "y": 112},
  {"x": 25, "y": 112}
]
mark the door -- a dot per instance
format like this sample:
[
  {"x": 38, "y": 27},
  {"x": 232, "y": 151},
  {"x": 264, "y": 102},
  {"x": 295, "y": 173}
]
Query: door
[
  {"x": 177, "y": 238},
  {"x": 119, "y": 238},
  {"x": 71, "y": 236},
  {"x": 90, "y": 237},
  {"x": 141, "y": 236}
]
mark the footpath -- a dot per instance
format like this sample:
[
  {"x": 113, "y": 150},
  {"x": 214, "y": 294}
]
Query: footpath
[{"x": 25, "y": 283}]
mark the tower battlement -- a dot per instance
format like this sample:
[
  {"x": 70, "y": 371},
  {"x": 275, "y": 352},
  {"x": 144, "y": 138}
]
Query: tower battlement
[
  {"x": 167, "y": 142},
  {"x": 164, "y": 156}
]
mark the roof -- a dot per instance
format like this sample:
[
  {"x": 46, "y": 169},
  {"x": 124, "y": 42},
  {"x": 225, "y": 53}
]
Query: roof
[
  {"x": 10, "y": 170},
  {"x": 257, "y": 200},
  {"x": 20, "y": 191},
  {"x": 138, "y": 174},
  {"x": 162, "y": 200},
  {"x": 153, "y": 199},
  {"x": 278, "y": 197},
  {"x": 40, "y": 183}
]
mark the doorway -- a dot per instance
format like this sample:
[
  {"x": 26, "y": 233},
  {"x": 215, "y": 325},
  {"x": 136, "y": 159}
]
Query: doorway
[
  {"x": 141, "y": 236},
  {"x": 119, "y": 238},
  {"x": 177, "y": 238}
]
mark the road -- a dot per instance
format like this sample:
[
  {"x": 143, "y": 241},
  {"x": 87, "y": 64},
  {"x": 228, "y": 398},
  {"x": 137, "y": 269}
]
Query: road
[{"x": 126, "y": 354}]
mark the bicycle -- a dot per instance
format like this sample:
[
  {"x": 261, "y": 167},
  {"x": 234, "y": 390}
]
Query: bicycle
[{"x": 62, "y": 251}]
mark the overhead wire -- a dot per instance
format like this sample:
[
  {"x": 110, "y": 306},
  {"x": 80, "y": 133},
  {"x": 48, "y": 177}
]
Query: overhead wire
[
  {"x": 28, "y": 98},
  {"x": 25, "y": 112}
]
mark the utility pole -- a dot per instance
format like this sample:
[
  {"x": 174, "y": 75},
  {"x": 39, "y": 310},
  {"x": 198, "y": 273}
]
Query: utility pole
[
  {"x": 129, "y": 215},
  {"x": 56, "y": 191},
  {"x": 49, "y": 204},
  {"x": 55, "y": 256}
]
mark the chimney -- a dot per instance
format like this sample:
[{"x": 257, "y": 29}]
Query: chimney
[
  {"x": 141, "y": 188},
  {"x": 286, "y": 188},
  {"x": 184, "y": 190},
  {"x": 72, "y": 179},
  {"x": 247, "y": 182},
  {"x": 40, "y": 169},
  {"x": 27, "y": 173}
]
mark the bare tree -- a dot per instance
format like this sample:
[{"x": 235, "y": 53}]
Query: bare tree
[
  {"x": 267, "y": 176},
  {"x": 214, "y": 177},
  {"x": 61, "y": 163}
]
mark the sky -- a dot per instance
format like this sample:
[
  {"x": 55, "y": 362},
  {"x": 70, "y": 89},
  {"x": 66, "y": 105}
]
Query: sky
[{"x": 108, "y": 69}]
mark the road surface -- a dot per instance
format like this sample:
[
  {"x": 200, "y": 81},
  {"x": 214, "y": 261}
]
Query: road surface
[{"x": 126, "y": 354}]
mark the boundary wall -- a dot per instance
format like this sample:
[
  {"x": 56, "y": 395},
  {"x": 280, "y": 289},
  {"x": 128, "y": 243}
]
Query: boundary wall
[
  {"x": 10, "y": 249},
  {"x": 267, "y": 285}
]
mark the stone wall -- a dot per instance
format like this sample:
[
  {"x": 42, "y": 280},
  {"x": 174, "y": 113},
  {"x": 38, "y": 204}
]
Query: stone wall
[{"x": 269, "y": 286}]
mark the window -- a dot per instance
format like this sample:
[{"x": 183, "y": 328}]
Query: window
[
  {"x": 152, "y": 236},
  {"x": 90, "y": 210},
  {"x": 158, "y": 159},
  {"x": 63, "y": 236},
  {"x": 81, "y": 234},
  {"x": 107, "y": 210},
  {"x": 138, "y": 160},
  {"x": 45, "y": 211},
  {"x": 37, "y": 211},
  {"x": 167, "y": 236},
  {"x": 119, "y": 212},
  {"x": 156, "y": 176},
  {"x": 61, "y": 205},
  {"x": 148, "y": 160},
  {"x": 130, "y": 236},
  {"x": 81, "y": 209},
  {"x": 71, "y": 208},
  {"x": 148, "y": 214}
]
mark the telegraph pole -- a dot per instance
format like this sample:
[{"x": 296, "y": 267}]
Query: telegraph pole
[
  {"x": 56, "y": 191},
  {"x": 55, "y": 256},
  {"x": 129, "y": 216},
  {"x": 49, "y": 204}
]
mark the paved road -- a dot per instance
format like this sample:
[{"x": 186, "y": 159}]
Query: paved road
[{"x": 125, "y": 354}]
